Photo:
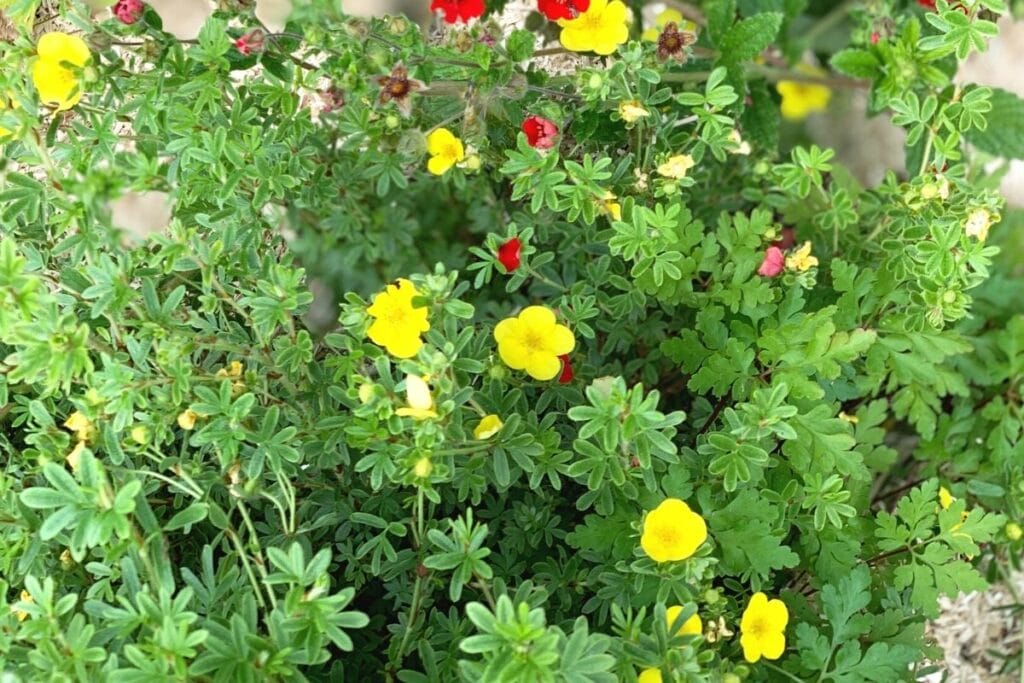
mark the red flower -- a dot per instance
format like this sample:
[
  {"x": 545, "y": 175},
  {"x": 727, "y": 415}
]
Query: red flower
[
  {"x": 774, "y": 263},
  {"x": 128, "y": 11},
  {"x": 927, "y": 4},
  {"x": 540, "y": 132},
  {"x": 787, "y": 240},
  {"x": 250, "y": 42},
  {"x": 562, "y": 9},
  {"x": 875, "y": 37},
  {"x": 508, "y": 254},
  {"x": 567, "y": 373},
  {"x": 458, "y": 10}
]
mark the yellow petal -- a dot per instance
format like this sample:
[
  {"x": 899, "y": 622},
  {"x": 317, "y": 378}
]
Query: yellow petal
[
  {"x": 62, "y": 47},
  {"x": 562, "y": 340},
  {"x": 488, "y": 427},
  {"x": 513, "y": 354},
  {"x": 440, "y": 139},
  {"x": 439, "y": 165},
  {"x": 650, "y": 676},
  {"x": 751, "y": 647},
  {"x": 773, "y": 645},
  {"x": 506, "y": 327},
  {"x": 543, "y": 366},
  {"x": 535, "y": 317}
]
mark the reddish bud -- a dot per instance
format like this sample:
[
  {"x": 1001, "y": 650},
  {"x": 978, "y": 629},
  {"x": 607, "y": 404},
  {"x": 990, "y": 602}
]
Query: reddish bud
[
  {"x": 422, "y": 571},
  {"x": 508, "y": 254},
  {"x": 562, "y": 9},
  {"x": 128, "y": 11},
  {"x": 634, "y": 462},
  {"x": 875, "y": 37},
  {"x": 540, "y": 132},
  {"x": 251, "y": 42},
  {"x": 774, "y": 263},
  {"x": 787, "y": 240},
  {"x": 927, "y": 4},
  {"x": 567, "y": 373}
]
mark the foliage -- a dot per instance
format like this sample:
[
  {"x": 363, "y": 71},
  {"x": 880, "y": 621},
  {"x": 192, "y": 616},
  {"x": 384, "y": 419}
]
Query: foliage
[{"x": 247, "y": 492}]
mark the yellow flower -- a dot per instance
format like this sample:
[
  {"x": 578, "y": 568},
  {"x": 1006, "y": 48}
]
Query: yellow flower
[
  {"x": 187, "y": 419},
  {"x": 533, "y": 341},
  {"x": 398, "y": 324},
  {"x": 763, "y": 628},
  {"x": 632, "y": 111},
  {"x": 80, "y": 425},
  {"x": 445, "y": 151},
  {"x": 1013, "y": 531},
  {"x": 600, "y": 29},
  {"x": 140, "y": 435},
  {"x": 649, "y": 676},
  {"x": 417, "y": 395},
  {"x": 802, "y": 260},
  {"x": 691, "y": 626},
  {"x": 488, "y": 427},
  {"x": 977, "y": 224},
  {"x": 852, "y": 419},
  {"x": 945, "y": 498},
  {"x": 611, "y": 207},
  {"x": 22, "y": 615},
  {"x": 234, "y": 370},
  {"x": 56, "y": 83},
  {"x": 800, "y": 98},
  {"x": 422, "y": 468},
  {"x": 74, "y": 458},
  {"x": 672, "y": 531},
  {"x": 664, "y": 18},
  {"x": 739, "y": 145},
  {"x": 676, "y": 166}
]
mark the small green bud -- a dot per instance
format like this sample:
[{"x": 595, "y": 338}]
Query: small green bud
[{"x": 1013, "y": 531}]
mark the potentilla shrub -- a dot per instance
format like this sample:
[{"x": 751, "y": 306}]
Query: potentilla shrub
[{"x": 622, "y": 378}]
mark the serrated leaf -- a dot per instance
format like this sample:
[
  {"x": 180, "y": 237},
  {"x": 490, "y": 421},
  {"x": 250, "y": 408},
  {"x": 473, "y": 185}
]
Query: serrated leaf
[
  {"x": 749, "y": 37},
  {"x": 1004, "y": 135},
  {"x": 856, "y": 63}
]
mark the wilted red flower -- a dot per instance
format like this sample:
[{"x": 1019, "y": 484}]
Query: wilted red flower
[
  {"x": 508, "y": 254},
  {"x": 250, "y": 42},
  {"x": 458, "y": 10},
  {"x": 398, "y": 86},
  {"x": 540, "y": 132},
  {"x": 128, "y": 11},
  {"x": 562, "y": 9},
  {"x": 774, "y": 263},
  {"x": 567, "y": 373},
  {"x": 672, "y": 43}
]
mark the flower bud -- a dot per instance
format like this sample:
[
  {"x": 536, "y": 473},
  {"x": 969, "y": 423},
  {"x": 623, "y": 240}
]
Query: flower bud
[{"x": 1013, "y": 531}]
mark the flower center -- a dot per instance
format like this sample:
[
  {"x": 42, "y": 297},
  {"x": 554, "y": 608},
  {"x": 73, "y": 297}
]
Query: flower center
[
  {"x": 450, "y": 152},
  {"x": 534, "y": 342},
  {"x": 395, "y": 315},
  {"x": 593, "y": 21},
  {"x": 668, "y": 535},
  {"x": 759, "y": 628}
]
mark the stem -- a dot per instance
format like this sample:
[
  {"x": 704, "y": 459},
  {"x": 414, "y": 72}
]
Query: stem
[
  {"x": 781, "y": 671},
  {"x": 414, "y": 607},
  {"x": 837, "y": 14}
]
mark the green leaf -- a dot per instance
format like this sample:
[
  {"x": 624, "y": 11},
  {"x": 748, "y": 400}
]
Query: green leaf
[
  {"x": 1004, "y": 135},
  {"x": 856, "y": 63},
  {"x": 749, "y": 37},
  {"x": 195, "y": 512}
]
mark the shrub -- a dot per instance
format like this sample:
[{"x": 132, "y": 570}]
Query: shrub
[{"x": 629, "y": 379}]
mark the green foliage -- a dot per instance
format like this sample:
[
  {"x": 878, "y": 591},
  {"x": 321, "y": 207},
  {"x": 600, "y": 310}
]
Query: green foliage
[{"x": 212, "y": 472}]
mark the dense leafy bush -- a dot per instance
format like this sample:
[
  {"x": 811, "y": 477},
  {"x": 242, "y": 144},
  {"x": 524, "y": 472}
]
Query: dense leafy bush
[{"x": 618, "y": 389}]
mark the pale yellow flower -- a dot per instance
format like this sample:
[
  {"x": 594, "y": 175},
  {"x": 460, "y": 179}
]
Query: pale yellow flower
[
  {"x": 977, "y": 224},
  {"x": 74, "y": 458},
  {"x": 187, "y": 419},
  {"x": 81, "y": 426},
  {"x": 676, "y": 166},
  {"x": 739, "y": 145},
  {"x": 632, "y": 111},
  {"x": 488, "y": 427},
  {"x": 611, "y": 207},
  {"x": 22, "y": 615},
  {"x": 801, "y": 260},
  {"x": 422, "y": 468},
  {"x": 417, "y": 396}
]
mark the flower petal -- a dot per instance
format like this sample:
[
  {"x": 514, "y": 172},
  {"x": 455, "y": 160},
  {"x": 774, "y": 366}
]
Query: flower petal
[
  {"x": 537, "y": 317},
  {"x": 505, "y": 328},
  {"x": 543, "y": 366},
  {"x": 562, "y": 340}
]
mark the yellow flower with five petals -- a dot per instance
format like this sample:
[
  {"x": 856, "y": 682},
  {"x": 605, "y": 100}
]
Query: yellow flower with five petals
[
  {"x": 801, "y": 260},
  {"x": 397, "y": 323},
  {"x": 675, "y": 167},
  {"x": 672, "y": 531},
  {"x": 533, "y": 341},
  {"x": 763, "y": 628},
  {"x": 601, "y": 29},
  {"x": 445, "y": 151},
  {"x": 56, "y": 72}
]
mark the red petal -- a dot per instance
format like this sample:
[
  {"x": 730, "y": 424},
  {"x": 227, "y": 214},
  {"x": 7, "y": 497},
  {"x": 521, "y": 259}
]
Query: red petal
[
  {"x": 540, "y": 132},
  {"x": 562, "y": 9},
  {"x": 567, "y": 373},
  {"x": 458, "y": 10},
  {"x": 508, "y": 254}
]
